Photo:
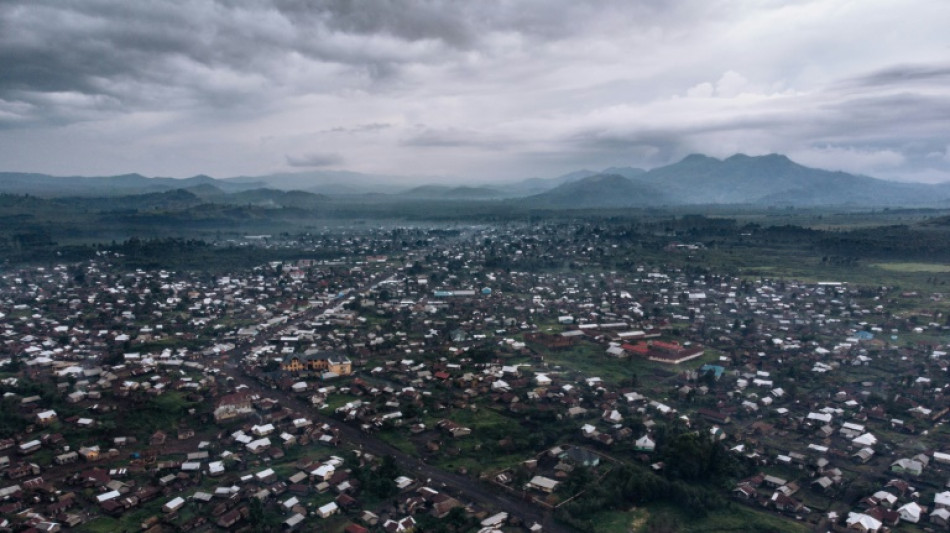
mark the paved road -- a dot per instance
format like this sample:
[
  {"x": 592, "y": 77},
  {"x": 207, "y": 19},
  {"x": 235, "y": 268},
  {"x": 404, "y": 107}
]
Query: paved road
[{"x": 462, "y": 487}]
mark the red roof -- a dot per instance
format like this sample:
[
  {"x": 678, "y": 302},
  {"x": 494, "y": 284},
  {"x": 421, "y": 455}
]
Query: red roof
[{"x": 640, "y": 348}]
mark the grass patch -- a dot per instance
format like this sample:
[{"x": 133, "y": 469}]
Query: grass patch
[
  {"x": 591, "y": 360},
  {"x": 103, "y": 524},
  {"x": 398, "y": 439},
  {"x": 336, "y": 400},
  {"x": 164, "y": 412},
  {"x": 618, "y": 521},
  {"x": 744, "y": 519},
  {"x": 664, "y": 517},
  {"x": 914, "y": 267}
]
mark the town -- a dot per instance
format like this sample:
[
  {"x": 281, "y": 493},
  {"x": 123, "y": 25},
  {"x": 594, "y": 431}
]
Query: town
[{"x": 493, "y": 377}]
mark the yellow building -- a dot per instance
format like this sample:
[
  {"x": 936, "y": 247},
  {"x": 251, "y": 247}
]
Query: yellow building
[{"x": 319, "y": 362}]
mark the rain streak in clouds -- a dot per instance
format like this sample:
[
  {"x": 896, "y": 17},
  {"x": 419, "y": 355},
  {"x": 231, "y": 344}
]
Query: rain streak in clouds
[{"x": 473, "y": 90}]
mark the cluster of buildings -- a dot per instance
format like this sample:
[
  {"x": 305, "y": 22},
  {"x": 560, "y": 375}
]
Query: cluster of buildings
[{"x": 123, "y": 389}]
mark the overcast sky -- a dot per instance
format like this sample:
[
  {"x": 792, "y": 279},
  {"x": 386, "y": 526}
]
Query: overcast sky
[{"x": 476, "y": 89}]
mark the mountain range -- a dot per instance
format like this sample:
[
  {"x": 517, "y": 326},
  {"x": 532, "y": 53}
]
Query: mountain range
[{"x": 770, "y": 180}]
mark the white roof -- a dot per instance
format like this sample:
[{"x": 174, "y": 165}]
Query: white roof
[
  {"x": 867, "y": 522},
  {"x": 175, "y": 502},
  {"x": 323, "y": 471},
  {"x": 328, "y": 508},
  {"x": 865, "y": 440},
  {"x": 942, "y": 513},
  {"x": 495, "y": 520},
  {"x": 291, "y": 502},
  {"x": 106, "y": 496},
  {"x": 264, "y": 473},
  {"x": 541, "y": 481},
  {"x": 910, "y": 512}
]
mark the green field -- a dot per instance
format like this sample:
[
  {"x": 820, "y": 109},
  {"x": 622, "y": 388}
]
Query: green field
[
  {"x": 737, "y": 518},
  {"x": 914, "y": 267}
]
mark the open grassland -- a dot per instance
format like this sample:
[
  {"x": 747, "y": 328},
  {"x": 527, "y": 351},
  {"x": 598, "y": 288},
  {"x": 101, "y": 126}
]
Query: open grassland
[
  {"x": 914, "y": 267},
  {"x": 667, "y": 518}
]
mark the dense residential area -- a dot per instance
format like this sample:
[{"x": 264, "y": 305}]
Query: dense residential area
[{"x": 485, "y": 378}]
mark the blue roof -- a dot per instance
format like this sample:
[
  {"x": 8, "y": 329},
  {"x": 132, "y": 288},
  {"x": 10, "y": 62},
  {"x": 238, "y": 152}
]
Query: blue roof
[{"x": 715, "y": 368}]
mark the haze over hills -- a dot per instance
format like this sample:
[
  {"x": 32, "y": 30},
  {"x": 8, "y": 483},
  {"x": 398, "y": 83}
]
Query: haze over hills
[
  {"x": 333, "y": 182},
  {"x": 600, "y": 190},
  {"x": 697, "y": 179},
  {"x": 59, "y": 186},
  {"x": 764, "y": 180}
]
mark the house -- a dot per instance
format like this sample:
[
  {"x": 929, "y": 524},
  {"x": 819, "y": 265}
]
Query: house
[
  {"x": 233, "y": 406},
  {"x": 339, "y": 364},
  {"x": 744, "y": 492},
  {"x": 216, "y": 468},
  {"x": 863, "y": 523},
  {"x": 580, "y": 456},
  {"x": 29, "y": 447},
  {"x": 942, "y": 500},
  {"x": 907, "y": 466},
  {"x": 90, "y": 453},
  {"x": 785, "y": 503},
  {"x": 323, "y": 472},
  {"x": 644, "y": 444},
  {"x": 232, "y": 517},
  {"x": 262, "y": 430},
  {"x": 327, "y": 510},
  {"x": 863, "y": 455},
  {"x": 543, "y": 484},
  {"x": 266, "y": 476},
  {"x": 495, "y": 521},
  {"x": 258, "y": 446},
  {"x": 940, "y": 517},
  {"x": 616, "y": 351},
  {"x": 46, "y": 417},
  {"x": 291, "y": 523},
  {"x": 66, "y": 458},
  {"x": 173, "y": 505},
  {"x": 823, "y": 483},
  {"x": 405, "y": 525},
  {"x": 910, "y": 512},
  {"x": 864, "y": 440}
]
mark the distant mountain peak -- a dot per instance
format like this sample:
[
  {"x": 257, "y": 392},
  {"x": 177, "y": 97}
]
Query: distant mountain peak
[
  {"x": 768, "y": 158},
  {"x": 698, "y": 158}
]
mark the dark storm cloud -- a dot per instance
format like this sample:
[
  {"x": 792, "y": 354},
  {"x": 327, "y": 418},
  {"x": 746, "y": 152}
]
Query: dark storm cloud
[
  {"x": 902, "y": 74},
  {"x": 181, "y": 87},
  {"x": 453, "y": 137},
  {"x": 143, "y": 53},
  {"x": 411, "y": 21}
]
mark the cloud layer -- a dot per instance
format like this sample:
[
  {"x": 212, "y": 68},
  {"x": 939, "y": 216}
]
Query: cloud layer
[{"x": 477, "y": 90}]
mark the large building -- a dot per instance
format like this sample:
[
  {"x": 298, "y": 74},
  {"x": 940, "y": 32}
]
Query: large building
[
  {"x": 233, "y": 406},
  {"x": 665, "y": 352},
  {"x": 334, "y": 362}
]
